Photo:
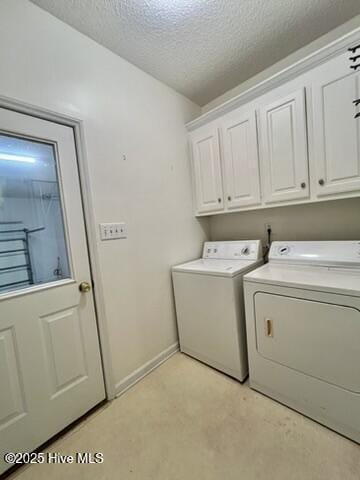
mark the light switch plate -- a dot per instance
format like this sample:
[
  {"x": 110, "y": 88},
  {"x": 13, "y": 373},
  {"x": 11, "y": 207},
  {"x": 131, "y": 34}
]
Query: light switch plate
[{"x": 112, "y": 231}]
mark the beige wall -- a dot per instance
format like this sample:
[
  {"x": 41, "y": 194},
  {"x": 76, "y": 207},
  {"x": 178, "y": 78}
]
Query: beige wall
[
  {"x": 125, "y": 111},
  {"x": 333, "y": 220}
]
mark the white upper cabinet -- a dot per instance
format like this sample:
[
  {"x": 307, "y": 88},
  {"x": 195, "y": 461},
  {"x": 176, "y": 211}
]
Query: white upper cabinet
[
  {"x": 335, "y": 135},
  {"x": 207, "y": 169},
  {"x": 283, "y": 147},
  {"x": 290, "y": 139},
  {"x": 240, "y": 159}
]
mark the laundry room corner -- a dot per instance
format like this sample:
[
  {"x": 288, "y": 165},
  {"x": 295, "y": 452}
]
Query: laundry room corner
[
  {"x": 125, "y": 176},
  {"x": 179, "y": 239}
]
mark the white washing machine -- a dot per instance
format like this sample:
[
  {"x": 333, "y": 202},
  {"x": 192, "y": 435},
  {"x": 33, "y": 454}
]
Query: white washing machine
[
  {"x": 209, "y": 304},
  {"x": 303, "y": 330}
]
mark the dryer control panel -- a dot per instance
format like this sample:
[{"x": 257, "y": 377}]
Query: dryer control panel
[
  {"x": 237, "y": 250},
  {"x": 337, "y": 253}
]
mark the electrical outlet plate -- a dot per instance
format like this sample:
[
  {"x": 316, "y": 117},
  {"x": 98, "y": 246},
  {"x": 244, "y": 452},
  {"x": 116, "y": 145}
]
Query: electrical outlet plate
[{"x": 112, "y": 231}]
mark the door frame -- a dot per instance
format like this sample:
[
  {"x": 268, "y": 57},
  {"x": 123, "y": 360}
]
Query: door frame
[{"x": 77, "y": 126}]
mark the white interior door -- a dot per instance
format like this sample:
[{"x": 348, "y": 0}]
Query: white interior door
[
  {"x": 207, "y": 169},
  {"x": 50, "y": 366},
  {"x": 336, "y": 134},
  {"x": 284, "y": 148},
  {"x": 241, "y": 162}
]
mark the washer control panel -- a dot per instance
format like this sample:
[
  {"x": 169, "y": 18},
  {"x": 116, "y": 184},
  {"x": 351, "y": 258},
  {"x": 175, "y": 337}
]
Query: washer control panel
[
  {"x": 283, "y": 250},
  {"x": 346, "y": 253},
  {"x": 240, "y": 250}
]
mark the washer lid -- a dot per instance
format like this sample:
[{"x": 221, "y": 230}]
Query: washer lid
[
  {"x": 340, "y": 280},
  {"x": 223, "y": 268}
]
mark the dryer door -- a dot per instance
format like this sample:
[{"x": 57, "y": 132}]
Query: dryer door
[{"x": 318, "y": 339}]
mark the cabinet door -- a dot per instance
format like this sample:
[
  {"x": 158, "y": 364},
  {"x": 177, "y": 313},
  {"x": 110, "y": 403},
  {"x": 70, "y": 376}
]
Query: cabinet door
[
  {"x": 283, "y": 148},
  {"x": 240, "y": 156},
  {"x": 207, "y": 169},
  {"x": 335, "y": 132}
]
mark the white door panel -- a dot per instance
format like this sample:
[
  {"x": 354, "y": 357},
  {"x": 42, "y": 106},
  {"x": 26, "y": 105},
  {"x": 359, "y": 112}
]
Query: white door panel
[
  {"x": 50, "y": 361},
  {"x": 284, "y": 148},
  {"x": 12, "y": 401},
  {"x": 62, "y": 332},
  {"x": 207, "y": 169},
  {"x": 309, "y": 337},
  {"x": 241, "y": 162},
  {"x": 336, "y": 134}
]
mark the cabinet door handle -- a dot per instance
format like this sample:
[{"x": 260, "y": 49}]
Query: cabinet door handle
[
  {"x": 229, "y": 198},
  {"x": 269, "y": 331},
  {"x": 219, "y": 200},
  {"x": 321, "y": 182},
  {"x": 303, "y": 185}
]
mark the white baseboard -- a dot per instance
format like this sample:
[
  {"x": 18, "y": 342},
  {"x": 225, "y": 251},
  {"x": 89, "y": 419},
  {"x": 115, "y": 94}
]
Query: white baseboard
[{"x": 145, "y": 369}]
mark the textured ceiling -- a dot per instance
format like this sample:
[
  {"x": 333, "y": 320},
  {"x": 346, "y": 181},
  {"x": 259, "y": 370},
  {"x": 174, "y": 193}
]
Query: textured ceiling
[{"x": 202, "y": 48}]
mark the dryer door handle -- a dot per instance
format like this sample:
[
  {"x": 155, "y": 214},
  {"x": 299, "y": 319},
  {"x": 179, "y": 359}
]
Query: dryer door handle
[{"x": 269, "y": 330}]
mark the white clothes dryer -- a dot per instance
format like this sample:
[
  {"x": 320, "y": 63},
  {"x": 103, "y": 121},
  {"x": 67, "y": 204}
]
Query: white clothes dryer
[{"x": 303, "y": 330}]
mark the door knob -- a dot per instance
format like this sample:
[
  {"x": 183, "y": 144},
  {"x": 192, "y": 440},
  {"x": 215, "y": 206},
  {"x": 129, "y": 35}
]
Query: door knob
[{"x": 84, "y": 287}]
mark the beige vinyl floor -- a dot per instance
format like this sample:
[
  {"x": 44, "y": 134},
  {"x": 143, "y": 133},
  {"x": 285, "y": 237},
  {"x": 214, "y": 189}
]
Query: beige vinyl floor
[{"x": 187, "y": 421}]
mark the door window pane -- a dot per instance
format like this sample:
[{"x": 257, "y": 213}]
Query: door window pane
[{"x": 32, "y": 237}]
